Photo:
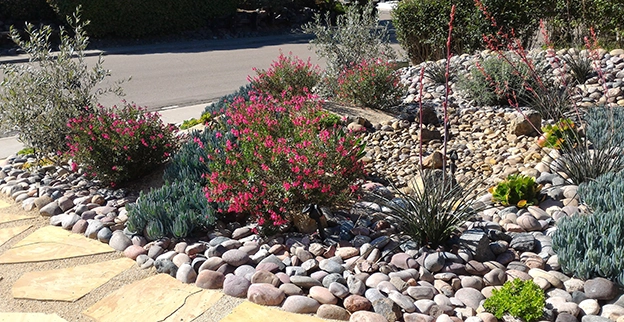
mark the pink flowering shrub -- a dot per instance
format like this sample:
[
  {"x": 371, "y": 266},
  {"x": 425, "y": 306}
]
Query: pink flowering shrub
[
  {"x": 279, "y": 159},
  {"x": 288, "y": 76},
  {"x": 370, "y": 83},
  {"x": 121, "y": 143}
]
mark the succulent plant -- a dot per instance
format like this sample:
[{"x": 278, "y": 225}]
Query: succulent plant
[
  {"x": 222, "y": 104},
  {"x": 558, "y": 134},
  {"x": 591, "y": 246},
  {"x": 517, "y": 190},
  {"x": 606, "y": 193},
  {"x": 518, "y": 298},
  {"x": 174, "y": 210}
]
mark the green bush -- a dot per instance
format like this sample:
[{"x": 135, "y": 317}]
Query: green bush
[
  {"x": 373, "y": 84},
  {"x": 177, "y": 209},
  {"x": 38, "y": 98},
  {"x": 591, "y": 246},
  {"x": 422, "y": 25},
  {"x": 517, "y": 190},
  {"x": 288, "y": 76},
  {"x": 25, "y": 10},
  {"x": 354, "y": 37},
  {"x": 494, "y": 81},
  {"x": 119, "y": 144},
  {"x": 572, "y": 20},
  {"x": 141, "y": 18},
  {"x": 521, "y": 299}
]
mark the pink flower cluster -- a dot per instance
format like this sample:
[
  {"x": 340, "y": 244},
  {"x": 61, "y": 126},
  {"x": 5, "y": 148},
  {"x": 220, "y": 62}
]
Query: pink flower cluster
[
  {"x": 281, "y": 159},
  {"x": 287, "y": 77},
  {"x": 118, "y": 144}
]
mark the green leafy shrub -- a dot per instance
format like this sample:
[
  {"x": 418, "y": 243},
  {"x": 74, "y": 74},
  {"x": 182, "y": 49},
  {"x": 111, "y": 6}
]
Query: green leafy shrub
[
  {"x": 25, "y": 10},
  {"x": 495, "y": 81},
  {"x": 287, "y": 77},
  {"x": 26, "y": 151},
  {"x": 605, "y": 193},
  {"x": 203, "y": 119},
  {"x": 38, "y": 98},
  {"x": 555, "y": 135},
  {"x": 591, "y": 246},
  {"x": 279, "y": 159},
  {"x": 521, "y": 299},
  {"x": 119, "y": 144},
  {"x": 435, "y": 208},
  {"x": 518, "y": 190},
  {"x": 116, "y": 18},
  {"x": 373, "y": 84},
  {"x": 422, "y": 25},
  {"x": 328, "y": 119},
  {"x": 571, "y": 22},
  {"x": 354, "y": 37},
  {"x": 177, "y": 209}
]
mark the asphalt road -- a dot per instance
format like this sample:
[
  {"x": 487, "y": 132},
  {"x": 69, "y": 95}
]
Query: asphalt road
[{"x": 186, "y": 74}]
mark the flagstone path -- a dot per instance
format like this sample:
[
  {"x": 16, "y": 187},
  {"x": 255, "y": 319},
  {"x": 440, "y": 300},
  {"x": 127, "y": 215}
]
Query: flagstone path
[{"x": 48, "y": 274}]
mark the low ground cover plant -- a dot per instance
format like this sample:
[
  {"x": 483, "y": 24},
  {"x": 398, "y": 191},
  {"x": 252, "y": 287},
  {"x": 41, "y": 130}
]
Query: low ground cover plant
[
  {"x": 287, "y": 77},
  {"x": 600, "y": 253},
  {"x": 555, "y": 135},
  {"x": 177, "y": 209},
  {"x": 120, "y": 143},
  {"x": 518, "y": 298},
  {"x": 280, "y": 159},
  {"x": 517, "y": 190}
]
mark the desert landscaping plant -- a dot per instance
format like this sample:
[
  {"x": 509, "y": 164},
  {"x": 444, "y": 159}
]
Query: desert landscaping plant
[
  {"x": 434, "y": 208},
  {"x": 38, "y": 98},
  {"x": 369, "y": 83},
  {"x": 280, "y": 159},
  {"x": 600, "y": 251},
  {"x": 176, "y": 209},
  {"x": 518, "y": 298},
  {"x": 119, "y": 144},
  {"x": 355, "y": 36},
  {"x": 517, "y": 190},
  {"x": 287, "y": 77}
]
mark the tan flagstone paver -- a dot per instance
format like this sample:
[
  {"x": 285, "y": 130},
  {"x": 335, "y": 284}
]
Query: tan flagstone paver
[
  {"x": 7, "y": 233},
  {"x": 68, "y": 284},
  {"x": 30, "y": 317},
  {"x": 248, "y": 311},
  {"x": 5, "y": 217},
  {"x": 49, "y": 243},
  {"x": 155, "y": 298},
  {"x": 4, "y": 204}
]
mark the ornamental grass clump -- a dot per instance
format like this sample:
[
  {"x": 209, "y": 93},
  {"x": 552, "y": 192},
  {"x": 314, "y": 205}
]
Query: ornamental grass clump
[
  {"x": 435, "y": 207},
  {"x": 369, "y": 83},
  {"x": 518, "y": 298},
  {"x": 279, "y": 159},
  {"x": 119, "y": 144},
  {"x": 287, "y": 77}
]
